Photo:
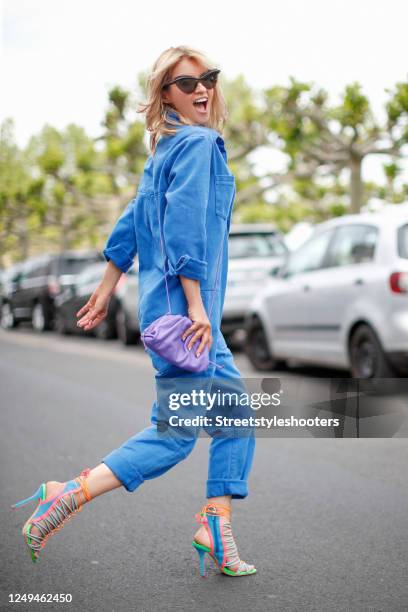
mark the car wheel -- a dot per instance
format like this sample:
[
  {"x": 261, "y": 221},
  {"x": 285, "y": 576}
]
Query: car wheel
[
  {"x": 105, "y": 330},
  {"x": 257, "y": 349},
  {"x": 125, "y": 334},
  {"x": 38, "y": 318},
  {"x": 8, "y": 320},
  {"x": 367, "y": 358},
  {"x": 61, "y": 325}
]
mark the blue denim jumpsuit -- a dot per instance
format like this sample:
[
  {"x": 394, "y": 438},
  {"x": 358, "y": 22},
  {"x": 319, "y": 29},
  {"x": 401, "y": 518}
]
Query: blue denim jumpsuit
[{"x": 188, "y": 183}]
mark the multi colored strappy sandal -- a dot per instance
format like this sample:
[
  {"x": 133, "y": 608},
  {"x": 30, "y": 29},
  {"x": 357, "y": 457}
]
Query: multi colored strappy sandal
[
  {"x": 223, "y": 550},
  {"x": 53, "y": 512}
]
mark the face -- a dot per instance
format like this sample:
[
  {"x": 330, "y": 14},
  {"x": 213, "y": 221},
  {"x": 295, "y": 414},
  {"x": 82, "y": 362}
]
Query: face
[{"x": 184, "y": 103}]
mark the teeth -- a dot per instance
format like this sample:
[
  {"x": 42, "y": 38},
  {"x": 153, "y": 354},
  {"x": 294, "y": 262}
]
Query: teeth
[{"x": 200, "y": 100}]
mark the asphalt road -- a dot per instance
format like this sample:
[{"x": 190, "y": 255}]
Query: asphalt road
[{"x": 326, "y": 521}]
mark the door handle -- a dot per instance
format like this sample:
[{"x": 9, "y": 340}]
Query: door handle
[{"x": 359, "y": 281}]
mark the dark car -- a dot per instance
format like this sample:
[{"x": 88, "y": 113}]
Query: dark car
[
  {"x": 8, "y": 287},
  {"x": 127, "y": 321},
  {"x": 73, "y": 297},
  {"x": 32, "y": 286}
]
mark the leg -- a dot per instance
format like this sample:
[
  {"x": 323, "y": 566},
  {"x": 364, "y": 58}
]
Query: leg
[
  {"x": 230, "y": 461},
  {"x": 146, "y": 455},
  {"x": 232, "y": 451}
]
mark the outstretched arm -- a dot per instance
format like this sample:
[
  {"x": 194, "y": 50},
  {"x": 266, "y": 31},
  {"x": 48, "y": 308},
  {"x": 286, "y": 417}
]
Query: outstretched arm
[{"x": 120, "y": 250}]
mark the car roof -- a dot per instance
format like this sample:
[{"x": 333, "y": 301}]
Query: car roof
[
  {"x": 256, "y": 228},
  {"x": 389, "y": 215}
]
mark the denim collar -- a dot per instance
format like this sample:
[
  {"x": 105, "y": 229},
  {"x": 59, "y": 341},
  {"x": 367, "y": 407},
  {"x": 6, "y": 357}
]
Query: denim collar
[{"x": 173, "y": 114}]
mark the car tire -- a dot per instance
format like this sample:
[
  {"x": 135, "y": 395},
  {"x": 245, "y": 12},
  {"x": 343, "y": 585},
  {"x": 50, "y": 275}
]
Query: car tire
[
  {"x": 125, "y": 334},
  {"x": 60, "y": 325},
  {"x": 38, "y": 318},
  {"x": 105, "y": 330},
  {"x": 8, "y": 320},
  {"x": 367, "y": 358},
  {"x": 257, "y": 349}
]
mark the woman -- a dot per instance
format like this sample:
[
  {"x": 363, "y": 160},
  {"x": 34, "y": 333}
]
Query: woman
[{"x": 183, "y": 204}]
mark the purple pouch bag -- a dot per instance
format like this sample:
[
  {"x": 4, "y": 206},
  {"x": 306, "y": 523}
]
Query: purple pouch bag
[
  {"x": 164, "y": 337},
  {"x": 164, "y": 334}
]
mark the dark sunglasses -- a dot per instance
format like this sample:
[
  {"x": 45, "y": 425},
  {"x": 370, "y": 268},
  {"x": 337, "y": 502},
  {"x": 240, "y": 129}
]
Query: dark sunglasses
[{"x": 188, "y": 84}]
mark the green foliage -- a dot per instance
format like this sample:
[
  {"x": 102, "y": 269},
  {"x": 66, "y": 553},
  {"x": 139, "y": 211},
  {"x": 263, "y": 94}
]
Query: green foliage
[
  {"x": 354, "y": 110},
  {"x": 64, "y": 189}
]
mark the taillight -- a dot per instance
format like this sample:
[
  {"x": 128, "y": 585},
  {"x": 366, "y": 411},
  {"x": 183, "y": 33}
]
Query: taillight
[{"x": 399, "y": 282}]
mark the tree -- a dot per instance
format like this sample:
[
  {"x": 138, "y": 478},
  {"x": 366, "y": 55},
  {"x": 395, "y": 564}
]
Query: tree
[
  {"x": 18, "y": 194},
  {"x": 321, "y": 140}
]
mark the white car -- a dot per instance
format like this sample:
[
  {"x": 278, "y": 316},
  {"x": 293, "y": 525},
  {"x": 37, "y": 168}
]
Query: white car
[
  {"x": 255, "y": 252},
  {"x": 340, "y": 300}
]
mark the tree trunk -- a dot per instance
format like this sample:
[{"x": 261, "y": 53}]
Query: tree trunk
[
  {"x": 23, "y": 237},
  {"x": 356, "y": 186}
]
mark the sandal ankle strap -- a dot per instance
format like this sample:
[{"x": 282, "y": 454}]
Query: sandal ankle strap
[
  {"x": 216, "y": 510},
  {"x": 84, "y": 485}
]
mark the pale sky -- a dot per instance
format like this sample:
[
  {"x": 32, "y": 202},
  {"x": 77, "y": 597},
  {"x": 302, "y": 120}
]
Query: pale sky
[{"x": 60, "y": 57}]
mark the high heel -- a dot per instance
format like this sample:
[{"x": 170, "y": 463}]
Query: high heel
[
  {"x": 223, "y": 549},
  {"x": 37, "y": 495},
  {"x": 52, "y": 513},
  {"x": 201, "y": 553}
]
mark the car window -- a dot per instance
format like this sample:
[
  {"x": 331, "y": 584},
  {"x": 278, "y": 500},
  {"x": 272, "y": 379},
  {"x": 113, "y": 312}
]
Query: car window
[
  {"x": 403, "y": 241},
  {"x": 255, "y": 245},
  {"x": 12, "y": 274},
  {"x": 28, "y": 268},
  {"x": 352, "y": 244},
  {"x": 74, "y": 265},
  {"x": 308, "y": 257},
  {"x": 90, "y": 274},
  {"x": 83, "y": 279}
]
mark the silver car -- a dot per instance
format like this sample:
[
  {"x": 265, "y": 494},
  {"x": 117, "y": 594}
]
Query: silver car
[
  {"x": 255, "y": 252},
  {"x": 340, "y": 300}
]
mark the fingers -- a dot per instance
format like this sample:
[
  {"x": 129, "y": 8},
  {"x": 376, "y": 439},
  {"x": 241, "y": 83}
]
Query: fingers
[
  {"x": 201, "y": 331},
  {"x": 91, "y": 320},
  {"x": 83, "y": 310},
  {"x": 205, "y": 339},
  {"x": 93, "y": 323},
  {"x": 188, "y": 331}
]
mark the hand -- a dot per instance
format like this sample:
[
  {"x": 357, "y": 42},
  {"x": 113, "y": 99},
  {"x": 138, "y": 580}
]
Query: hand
[
  {"x": 202, "y": 328},
  {"x": 95, "y": 310}
]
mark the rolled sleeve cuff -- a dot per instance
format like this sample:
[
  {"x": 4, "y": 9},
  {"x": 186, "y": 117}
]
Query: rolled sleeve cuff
[
  {"x": 119, "y": 257},
  {"x": 189, "y": 267}
]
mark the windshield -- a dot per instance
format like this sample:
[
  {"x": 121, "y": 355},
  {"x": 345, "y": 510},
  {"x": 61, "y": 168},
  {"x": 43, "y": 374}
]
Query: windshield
[
  {"x": 255, "y": 245},
  {"x": 74, "y": 265},
  {"x": 403, "y": 241}
]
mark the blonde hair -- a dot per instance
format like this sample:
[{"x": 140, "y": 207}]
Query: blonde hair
[{"x": 156, "y": 110}]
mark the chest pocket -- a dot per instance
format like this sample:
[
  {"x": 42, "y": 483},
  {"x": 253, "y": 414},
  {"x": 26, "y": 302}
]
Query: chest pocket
[{"x": 224, "y": 194}]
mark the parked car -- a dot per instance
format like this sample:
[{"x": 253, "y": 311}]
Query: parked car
[
  {"x": 298, "y": 234},
  {"x": 36, "y": 282},
  {"x": 127, "y": 321},
  {"x": 340, "y": 300},
  {"x": 255, "y": 252},
  {"x": 73, "y": 297},
  {"x": 8, "y": 287}
]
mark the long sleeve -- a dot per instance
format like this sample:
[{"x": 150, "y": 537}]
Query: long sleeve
[
  {"x": 121, "y": 246},
  {"x": 184, "y": 226}
]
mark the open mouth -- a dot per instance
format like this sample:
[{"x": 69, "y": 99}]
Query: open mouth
[{"x": 201, "y": 104}]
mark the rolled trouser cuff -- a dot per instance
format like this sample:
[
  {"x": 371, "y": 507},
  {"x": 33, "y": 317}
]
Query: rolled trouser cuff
[
  {"x": 238, "y": 489},
  {"x": 121, "y": 469}
]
